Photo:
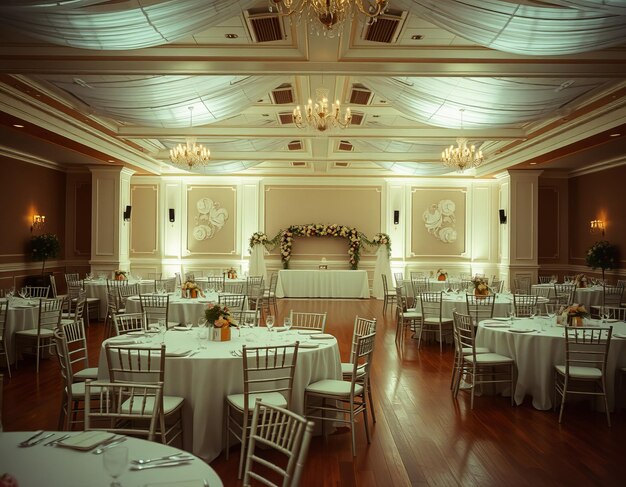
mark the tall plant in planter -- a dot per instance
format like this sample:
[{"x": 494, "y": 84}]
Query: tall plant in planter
[
  {"x": 602, "y": 255},
  {"x": 44, "y": 247}
]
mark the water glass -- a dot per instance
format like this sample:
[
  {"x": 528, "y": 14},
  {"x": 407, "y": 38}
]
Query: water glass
[
  {"x": 115, "y": 461},
  {"x": 287, "y": 323},
  {"x": 269, "y": 322}
]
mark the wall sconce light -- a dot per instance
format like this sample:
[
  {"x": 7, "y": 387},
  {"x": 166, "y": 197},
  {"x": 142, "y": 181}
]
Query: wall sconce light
[
  {"x": 126, "y": 213},
  {"x": 396, "y": 217},
  {"x": 172, "y": 215},
  {"x": 39, "y": 222},
  {"x": 596, "y": 226}
]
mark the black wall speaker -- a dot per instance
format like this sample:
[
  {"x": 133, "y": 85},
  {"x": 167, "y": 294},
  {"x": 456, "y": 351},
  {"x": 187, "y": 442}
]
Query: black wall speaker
[
  {"x": 502, "y": 216},
  {"x": 127, "y": 213},
  {"x": 396, "y": 217},
  {"x": 172, "y": 215}
]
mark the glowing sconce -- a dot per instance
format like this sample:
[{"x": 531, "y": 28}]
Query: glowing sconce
[
  {"x": 596, "y": 226},
  {"x": 39, "y": 222}
]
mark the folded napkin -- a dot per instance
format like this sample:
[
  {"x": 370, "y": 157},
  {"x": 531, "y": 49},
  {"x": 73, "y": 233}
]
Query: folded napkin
[
  {"x": 309, "y": 345},
  {"x": 177, "y": 352},
  {"x": 86, "y": 440},
  {"x": 309, "y": 332},
  {"x": 122, "y": 340},
  {"x": 322, "y": 336}
]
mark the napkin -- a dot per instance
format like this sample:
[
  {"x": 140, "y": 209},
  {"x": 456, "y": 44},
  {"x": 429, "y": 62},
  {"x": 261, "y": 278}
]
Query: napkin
[
  {"x": 308, "y": 345},
  {"x": 309, "y": 332},
  {"x": 322, "y": 336},
  {"x": 122, "y": 340},
  {"x": 177, "y": 352},
  {"x": 86, "y": 440}
]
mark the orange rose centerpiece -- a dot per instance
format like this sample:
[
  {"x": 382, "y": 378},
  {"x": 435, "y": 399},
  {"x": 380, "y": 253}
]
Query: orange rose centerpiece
[
  {"x": 481, "y": 288},
  {"x": 573, "y": 315},
  {"x": 191, "y": 290},
  {"x": 120, "y": 275},
  {"x": 221, "y": 320},
  {"x": 442, "y": 275}
]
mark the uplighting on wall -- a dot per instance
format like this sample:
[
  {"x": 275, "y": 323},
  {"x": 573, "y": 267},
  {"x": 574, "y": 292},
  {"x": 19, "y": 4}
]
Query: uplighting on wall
[
  {"x": 596, "y": 226},
  {"x": 39, "y": 222}
]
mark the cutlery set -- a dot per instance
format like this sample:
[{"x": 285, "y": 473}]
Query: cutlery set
[
  {"x": 166, "y": 461},
  {"x": 110, "y": 443}
]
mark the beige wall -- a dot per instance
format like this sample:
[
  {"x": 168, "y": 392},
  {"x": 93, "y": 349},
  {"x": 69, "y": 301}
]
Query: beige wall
[{"x": 144, "y": 228}]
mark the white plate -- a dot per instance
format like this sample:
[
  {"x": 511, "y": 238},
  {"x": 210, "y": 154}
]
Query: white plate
[
  {"x": 615, "y": 335},
  {"x": 309, "y": 345},
  {"x": 86, "y": 440},
  {"x": 496, "y": 325},
  {"x": 180, "y": 328},
  {"x": 500, "y": 319},
  {"x": 522, "y": 330},
  {"x": 136, "y": 333},
  {"x": 177, "y": 352},
  {"x": 122, "y": 340},
  {"x": 322, "y": 336},
  {"x": 309, "y": 332}
]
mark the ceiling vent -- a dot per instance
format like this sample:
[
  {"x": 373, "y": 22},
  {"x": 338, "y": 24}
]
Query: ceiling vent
[
  {"x": 298, "y": 164},
  {"x": 387, "y": 27},
  {"x": 357, "y": 118},
  {"x": 295, "y": 145},
  {"x": 360, "y": 95},
  {"x": 344, "y": 145},
  {"x": 264, "y": 26},
  {"x": 342, "y": 164},
  {"x": 285, "y": 118},
  {"x": 283, "y": 95}
]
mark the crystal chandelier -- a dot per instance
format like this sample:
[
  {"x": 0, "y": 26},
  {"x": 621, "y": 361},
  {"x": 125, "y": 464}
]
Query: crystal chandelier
[
  {"x": 318, "y": 115},
  {"x": 190, "y": 154},
  {"x": 463, "y": 156},
  {"x": 328, "y": 16}
]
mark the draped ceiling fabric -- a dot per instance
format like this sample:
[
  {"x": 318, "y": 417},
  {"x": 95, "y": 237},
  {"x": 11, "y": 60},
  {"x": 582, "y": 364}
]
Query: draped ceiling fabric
[
  {"x": 163, "y": 101},
  {"x": 555, "y": 27},
  {"x": 487, "y": 102}
]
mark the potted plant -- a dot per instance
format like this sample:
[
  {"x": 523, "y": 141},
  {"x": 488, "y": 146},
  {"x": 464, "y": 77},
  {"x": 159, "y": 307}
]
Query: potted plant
[
  {"x": 44, "y": 247},
  {"x": 602, "y": 255}
]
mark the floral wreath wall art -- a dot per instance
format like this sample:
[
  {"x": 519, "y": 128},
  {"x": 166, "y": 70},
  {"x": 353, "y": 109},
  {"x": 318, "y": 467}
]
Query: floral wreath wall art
[
  {"x": 356, "y": 240},
  {"x": 440, "y": 221},
  {"x": 210, "y": 219}
]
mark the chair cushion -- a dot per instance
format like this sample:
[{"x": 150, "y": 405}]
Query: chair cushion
[
  {"x": 170, "y": 404},
  {"x": 468, "y": 350},
  {"x": 580, "y": 372},
  {"x": 89, "y": 373},
  {"x": 444, "y": 321},
  {"x": 489, "y": 358},
  {"x": 78, "y": 390},
  {"x": 411, "y": 315},
  {"x": 347, "y": 368},
  {"x": 330, "y": 387},
  {"x": 32, "y": 332},
  {"x": 273, "y": 398}
]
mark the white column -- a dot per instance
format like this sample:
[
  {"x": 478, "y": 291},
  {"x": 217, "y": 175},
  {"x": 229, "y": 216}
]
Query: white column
[{"x": 109, "y": 232}]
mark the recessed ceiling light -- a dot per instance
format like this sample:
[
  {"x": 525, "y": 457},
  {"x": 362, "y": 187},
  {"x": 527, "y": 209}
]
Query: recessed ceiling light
[
  {"x": 110, "y": 160},
  {"x": 417, "y": 37},
  {"x": 615, "y": 135},
  {"x": 18, "y": 126},
  {"x": 533, "y": 163},
  {"x": 231, "y": 36}
]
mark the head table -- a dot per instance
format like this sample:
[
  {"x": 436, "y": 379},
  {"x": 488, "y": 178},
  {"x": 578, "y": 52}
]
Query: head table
[
  {"x": 211, "y": 372},
  {"x": 41, "y": 465},
  {"x": 536, "y": 347}
]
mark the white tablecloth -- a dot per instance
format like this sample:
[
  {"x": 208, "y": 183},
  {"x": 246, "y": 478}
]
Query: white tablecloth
[
  {"x": 589, "y": 296},
  {"x": 205, "y": 379},
  {"x": 181, "y": 310},
  {"x": 537, "y": 353},
  {"x": 322, "y": 284},
  {"x": 22, "y": 315},
  {"x": 41, "y": 465},
  {"x": 97, "y": 288}
]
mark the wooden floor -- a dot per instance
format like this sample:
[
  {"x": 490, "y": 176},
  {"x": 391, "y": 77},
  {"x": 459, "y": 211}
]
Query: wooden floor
[{"x": 422, "y": 437}]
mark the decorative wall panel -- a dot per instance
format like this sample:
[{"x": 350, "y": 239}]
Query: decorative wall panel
[{"x": 211, "y": 220}]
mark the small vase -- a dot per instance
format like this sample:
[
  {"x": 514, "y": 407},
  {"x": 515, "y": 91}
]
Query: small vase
[
  {"x": 193, "y": 294},
  {"x": 575, "y": 321},
  {"x": 441, "y": 278},
  {"x": 225, "y": 333},
  {"x": 481, "y": 294}
]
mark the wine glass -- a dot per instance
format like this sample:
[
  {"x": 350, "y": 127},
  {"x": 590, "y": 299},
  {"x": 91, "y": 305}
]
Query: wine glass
[
  {"x": 162, "y": 329},
  {"x": 188, "y": 325},
  {"x": 269, "y": 322},
  {"x": 604, "y": 314},
  {"x": 511, "y": 314},
  {"x": 287, "y": 322},
  {"x": 115, "y": 461}
]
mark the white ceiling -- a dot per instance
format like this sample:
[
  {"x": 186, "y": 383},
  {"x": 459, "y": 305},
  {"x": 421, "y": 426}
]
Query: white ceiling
[{"x": 91, "y": 106}]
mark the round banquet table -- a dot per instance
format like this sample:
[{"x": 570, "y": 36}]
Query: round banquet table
[
  {"x": 537, "y": 352},
  {"x": 588, "y": 296},
  {"x": 97, "y": 288},
  {"x": 181, "y": 310},
  {"x": 21, "y": 315},
  {"x": 65, "y": 467},
  {"x": 207, "y": 377}
]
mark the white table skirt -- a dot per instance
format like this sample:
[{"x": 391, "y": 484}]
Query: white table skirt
[
  {"x": 537, "y": 353},
  {"x": 64, "y": 467},
  {"x": 205, "y": 379},
  {"x": 21, "y": 315},
  {"x": 322, "y": 284},
  {"x": 588, "y": 296},
  {"x": 97, "y": 288}
]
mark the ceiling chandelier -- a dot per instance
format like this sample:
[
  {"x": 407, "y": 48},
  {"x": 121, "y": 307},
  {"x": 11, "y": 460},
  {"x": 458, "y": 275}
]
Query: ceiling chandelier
[
  {"x": 318, "y": 115},
  {"x": 328, "y": 16},
  {"x": 190, "y": 154},
  {"x": 463, "y": 156}
]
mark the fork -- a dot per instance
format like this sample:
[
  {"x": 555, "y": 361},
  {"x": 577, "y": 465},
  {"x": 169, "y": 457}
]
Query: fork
[
  {"x": 56, "y": 440},
  {"x": 177, "y": 457}
]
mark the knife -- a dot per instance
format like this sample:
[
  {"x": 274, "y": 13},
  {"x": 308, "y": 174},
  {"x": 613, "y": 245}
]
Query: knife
[
  {"x": 108, "y": 445},
  {"x": 26, "y": 442},
  {"x": 45, "y": 437},
  {"x": 161, "y": 464}
]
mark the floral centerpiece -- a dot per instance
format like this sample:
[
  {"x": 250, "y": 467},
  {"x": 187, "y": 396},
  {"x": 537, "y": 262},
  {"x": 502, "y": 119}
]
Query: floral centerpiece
[
  {"x": 581, "y": 280},
  {"x": 231, "y": 273},
  {"x": 573, "y": 315},
  {"x": 602, "y": 255},
  {"x": 259, "y": 238},
  {"x": 379, "y": 240},
  {"x": 120, "y": 275},
  {"x": 191, "y": 289},
  {"x": 221, "y": 319},
  {"x": 481, "y": 288},
  {"x": 442, "y": 275}
]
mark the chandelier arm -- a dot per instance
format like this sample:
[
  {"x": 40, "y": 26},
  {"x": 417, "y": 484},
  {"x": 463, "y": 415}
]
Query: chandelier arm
[{"x": 381, "y": 5}]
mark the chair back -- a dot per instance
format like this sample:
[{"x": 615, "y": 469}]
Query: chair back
[
  {"x": 215, "y": 283},
  {"x": 480, "y": 307},
  {"x": 522, "y": 285},
  {"x": 496, "y": 286},
  {"x": 284, "y": 432},
  {"x": 113, "y": 302},
  {"x": 362, "y": 362},
  {"x": 4, "y": 314},
  {"x": 268, "y": 369},
  {"x": 37, "y": 291},
  {"x": 190, "y": 276},
  {"x": 234, "y": 287},
  {"x": 525, "y": 305},
  {"x": 49, "y": 314},
  {"x": 417, "y": 275},
  {"x": 274, "y": 283},
  {"x": 135, "y": 364},
  {"x": 75, "y": 344},
  {"x": 126, "y": 409},
  {"x": 545, "y": 279},
  {"x": 544, "y": 292},
  {"x": 67, "y": 373},
  {"x": 431, "y": 304},
  {"x": 155, "y": 307},
  {"x": 308, "y": 321},
  {"x": 587, "y": 347},
  {"x": 464, "y": 335},
  {"x": 254, "y": 281},
  {"x": 79, "y": 309},
  {"x": 126, "y": 291},
  {"x": 157, "y": 276},
  {"x": 167, "y": 285},
  {"x": 127, "y": 322},
  {"x": 72, "y": 276},
  {"x": 115, "y": 283},
  {"x": 252, "y": 317},
  {"x": 362, "y": 327},
  {"x": 564, "y": 293},
  {"x": 420, "y": 285},
  {"x": 385, "y": 285},
  {"x": 612, "y": 295},
  {"x": 53, "y": 286},
  {"x": 614, "y": 313},
  {"x": 234, "y": 302},
  {"x": 399, "y": 277}
]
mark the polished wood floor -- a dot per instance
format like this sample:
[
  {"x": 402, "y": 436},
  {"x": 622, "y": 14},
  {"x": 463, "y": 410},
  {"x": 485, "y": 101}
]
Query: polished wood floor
[{"x": 423, "y": 436}]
